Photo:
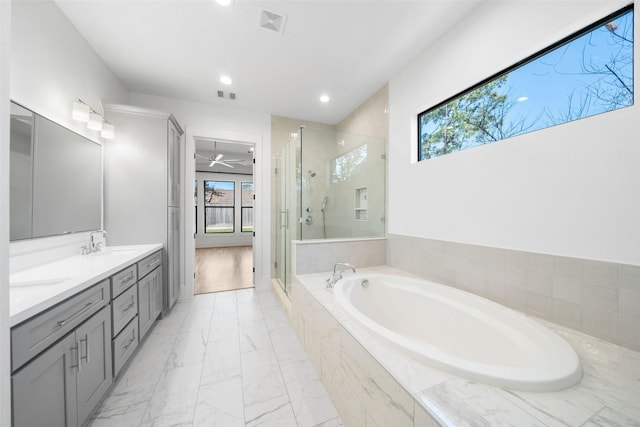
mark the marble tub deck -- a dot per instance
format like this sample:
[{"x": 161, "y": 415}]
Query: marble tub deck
[
  {"x": 607, "y": 395},
  {"x": 226, "y": 359}
]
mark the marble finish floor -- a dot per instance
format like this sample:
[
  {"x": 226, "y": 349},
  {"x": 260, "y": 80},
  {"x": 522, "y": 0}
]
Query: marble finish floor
[{"x": 224, "y": 359}]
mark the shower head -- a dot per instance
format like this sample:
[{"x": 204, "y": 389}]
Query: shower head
[
  {"x": 312, "y": 174},
  {"x": 324, "y": 204}
]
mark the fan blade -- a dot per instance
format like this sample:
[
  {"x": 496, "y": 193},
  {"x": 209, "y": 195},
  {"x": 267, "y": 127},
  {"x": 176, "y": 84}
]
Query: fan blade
[
  {"x": 213, "y": 162},
  {"x": 203, "y": 157},
  {"x": 225, "y": 164},
  {"x": 218, "y": 157}
]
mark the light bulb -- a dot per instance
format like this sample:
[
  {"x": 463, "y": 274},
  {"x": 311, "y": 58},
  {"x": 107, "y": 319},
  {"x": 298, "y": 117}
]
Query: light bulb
[
  {"x": 80, "y": 111},
  {"x": 108, "y": 131},
  {"x": 95, "y": 121}
]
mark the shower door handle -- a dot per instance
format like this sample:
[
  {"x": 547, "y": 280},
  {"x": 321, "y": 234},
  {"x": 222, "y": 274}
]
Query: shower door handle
[{"x": 285, "y": 222}]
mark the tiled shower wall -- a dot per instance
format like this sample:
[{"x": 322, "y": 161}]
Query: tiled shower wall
[
  {"x": 595, "y": 297},
  {"x": 315, "y": 256}
]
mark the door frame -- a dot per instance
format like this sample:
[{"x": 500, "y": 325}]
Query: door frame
[{"x": 261, "y": 239}]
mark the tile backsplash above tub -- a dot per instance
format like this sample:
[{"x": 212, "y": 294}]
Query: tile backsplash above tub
[{"x": 595, "y": 297}]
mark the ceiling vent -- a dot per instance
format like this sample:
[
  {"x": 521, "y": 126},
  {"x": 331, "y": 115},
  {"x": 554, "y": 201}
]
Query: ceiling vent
[
  {"x": 228, "y": 95},
  {"x": 272, "y": 21}
]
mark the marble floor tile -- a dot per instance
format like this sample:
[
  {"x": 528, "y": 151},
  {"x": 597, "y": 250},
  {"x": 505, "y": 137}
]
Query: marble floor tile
[
  {"x": 275, "y": 318},
  {"x": 189, "y": 349},
  {"x": 254, "y": 336},
  {"x": 125, "y": 416},
  {"x": 175, "y": 397},
  {"x": 309, "y": 400},
  {"x": 286, "y": 345},
  {"x": 220, "y": 404},
  {"x": 222, "y": 360},
  {"x": 272, "y": 412},
  {"x": 261, "y": 376},
  {"x": 219, "y": 360}
]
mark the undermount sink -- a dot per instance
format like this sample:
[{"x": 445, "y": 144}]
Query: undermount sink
[
  {"x": 115, "y": 250},
  {"x": 38, "y": 282}
]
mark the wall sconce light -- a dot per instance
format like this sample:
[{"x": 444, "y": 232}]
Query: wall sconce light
[
  {"x": 108, "y": 131},
  {"x": 80, "y": 111},
  {"x": 83, "y": 113},
  {"x": 95, "y": 121}
]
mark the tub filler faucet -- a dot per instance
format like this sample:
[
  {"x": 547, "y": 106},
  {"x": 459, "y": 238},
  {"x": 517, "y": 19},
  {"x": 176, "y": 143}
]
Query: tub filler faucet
[{"x": 338, "y": 268}]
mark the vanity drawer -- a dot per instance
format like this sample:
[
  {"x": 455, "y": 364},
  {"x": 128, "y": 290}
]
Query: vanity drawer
[
  {"x": 149, "y": 263},
  {"x": 124, "y": 308},
  {"x": 124, "y": 345},
  {"x": 122, "y": 280},
  {"x": 36, "y": 334}
]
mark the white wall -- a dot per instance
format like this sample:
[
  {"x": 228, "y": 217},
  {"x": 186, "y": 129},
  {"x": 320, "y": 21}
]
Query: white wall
[
  {"x": 52, "y": 65},
  {"x": 231, "y": 124},
  {"x": 567, "y": 190}
]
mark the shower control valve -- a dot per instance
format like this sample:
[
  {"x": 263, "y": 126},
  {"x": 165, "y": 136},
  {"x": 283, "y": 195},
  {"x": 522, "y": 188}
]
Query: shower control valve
[
  {"x": 309, "y": 209},
  {"x": 309, "y": 220}
]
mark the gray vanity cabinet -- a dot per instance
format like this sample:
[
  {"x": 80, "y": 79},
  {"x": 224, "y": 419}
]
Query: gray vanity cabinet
[
  {"x": 94, "y": 377},
  {"x": 124, "y": 315},
  {"x": 61, "y": 386},
  {"x": 149, "y": 300},
  {"x": 142, "y": 188},
  {"x": 48, "y": 382}
]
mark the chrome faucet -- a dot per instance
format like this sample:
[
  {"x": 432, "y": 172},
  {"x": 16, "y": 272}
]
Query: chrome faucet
[
  {"x": 338, "y": 268},
  {"x": 94, "y": 246}
]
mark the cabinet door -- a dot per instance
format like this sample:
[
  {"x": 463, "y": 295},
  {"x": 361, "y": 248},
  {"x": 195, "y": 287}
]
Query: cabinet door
[
  {"x": 174, "y": 164},
  {"x": 150, "y": 300},
  {"x": 94, "y": 371},
  {"x": 44, "y": 391},
  {"x": 156, "y": 294},
  {"x": 144, "y": 304},
  {"x": 173, "y": 257}
]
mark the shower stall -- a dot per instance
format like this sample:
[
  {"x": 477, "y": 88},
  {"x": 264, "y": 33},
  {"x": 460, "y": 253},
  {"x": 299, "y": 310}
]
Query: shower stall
[{"x": 329, "y": 185}]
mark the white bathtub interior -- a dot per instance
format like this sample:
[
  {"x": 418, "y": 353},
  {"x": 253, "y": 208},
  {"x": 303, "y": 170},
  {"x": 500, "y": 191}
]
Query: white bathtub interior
[{"x": 460, "y": 333}]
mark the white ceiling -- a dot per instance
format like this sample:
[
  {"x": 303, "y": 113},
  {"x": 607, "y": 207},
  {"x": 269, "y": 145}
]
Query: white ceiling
[{"x": 346, "y": 49}]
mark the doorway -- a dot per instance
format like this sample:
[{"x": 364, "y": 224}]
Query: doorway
[{"x": 220, "y": 251}]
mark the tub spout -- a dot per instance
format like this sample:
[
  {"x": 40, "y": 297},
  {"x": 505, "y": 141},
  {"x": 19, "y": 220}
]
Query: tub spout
[{"x": 338, "y": 268}]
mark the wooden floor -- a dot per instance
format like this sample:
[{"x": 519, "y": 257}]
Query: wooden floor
[{"x": 223, "y": 269}]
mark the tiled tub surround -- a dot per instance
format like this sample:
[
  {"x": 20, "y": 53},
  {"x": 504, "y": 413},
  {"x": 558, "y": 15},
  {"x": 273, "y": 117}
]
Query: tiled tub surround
[
  {"x": 595, "y": 297},
  {"x": 374, "y": 385}
]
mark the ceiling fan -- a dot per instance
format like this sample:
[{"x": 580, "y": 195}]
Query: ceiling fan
[{"x": 216, "y": 159}]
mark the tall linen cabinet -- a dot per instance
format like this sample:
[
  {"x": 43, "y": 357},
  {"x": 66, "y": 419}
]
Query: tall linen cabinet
[{"x": 142, "y": 188}]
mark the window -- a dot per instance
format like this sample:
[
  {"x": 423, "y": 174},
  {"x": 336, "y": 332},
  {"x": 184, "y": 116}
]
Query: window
[
  {"x": 219, "y": 197},
  {"x": 588, "y": 73},
  {"x": 344, "y": 166},
  {"x": 247, "y": 206}
]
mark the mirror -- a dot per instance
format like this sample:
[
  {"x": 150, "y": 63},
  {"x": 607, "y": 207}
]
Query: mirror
[{"x": 55, "y": 178}]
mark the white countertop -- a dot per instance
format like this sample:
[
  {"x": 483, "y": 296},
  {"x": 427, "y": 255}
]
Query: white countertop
[{"x": 36, "y": 289}]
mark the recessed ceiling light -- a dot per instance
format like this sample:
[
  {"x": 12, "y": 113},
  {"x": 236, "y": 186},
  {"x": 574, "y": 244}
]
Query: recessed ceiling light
[
  {"x": 224, "y": 2},
  {"x": 325, "y": 98},
  {"x": 225, "y": 80}
]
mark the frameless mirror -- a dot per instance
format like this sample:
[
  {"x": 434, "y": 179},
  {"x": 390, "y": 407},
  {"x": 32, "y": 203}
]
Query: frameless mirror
[{"x": 55, "y": 178}]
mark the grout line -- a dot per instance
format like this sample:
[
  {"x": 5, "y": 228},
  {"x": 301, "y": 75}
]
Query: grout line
[{"x": 204, "y": 356}]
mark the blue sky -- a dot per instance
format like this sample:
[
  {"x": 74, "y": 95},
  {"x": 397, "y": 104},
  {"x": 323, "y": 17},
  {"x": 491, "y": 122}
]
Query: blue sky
[{"x": 545, "y": 84}]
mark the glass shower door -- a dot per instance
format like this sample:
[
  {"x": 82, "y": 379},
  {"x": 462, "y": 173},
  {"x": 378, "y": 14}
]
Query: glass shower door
[{"x": 287, "y": 209}]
